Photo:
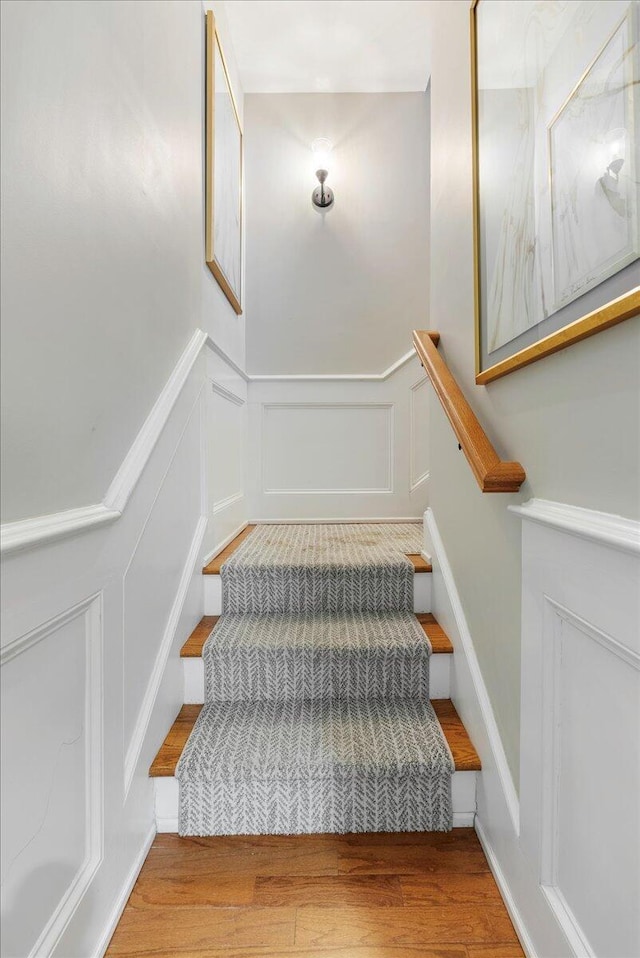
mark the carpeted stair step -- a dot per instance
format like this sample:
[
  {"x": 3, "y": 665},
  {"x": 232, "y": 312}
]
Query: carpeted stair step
[
  {"x": 264, "y": 657},
  {"x": 284, "y": 656},
  {"x": 463, "y": 782},
  {"x": 310, "y": 569},
  {"x": 319, "y": 765}
]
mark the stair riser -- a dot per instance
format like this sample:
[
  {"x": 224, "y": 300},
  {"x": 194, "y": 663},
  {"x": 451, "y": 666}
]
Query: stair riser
[
  {"x": 439, "y": 678},
  {"x": 213, "y": 593},
  {"x": 463, "y": 793}
]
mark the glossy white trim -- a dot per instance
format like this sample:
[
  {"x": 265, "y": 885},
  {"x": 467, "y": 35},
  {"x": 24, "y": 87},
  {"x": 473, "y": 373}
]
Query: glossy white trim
[
  {"x": 128, "y": 474},
  {"x": 144, "y": 715},
  {"x": 505, "y": 891},
  {"x": 123, "y": 895},
  {"x": 335, "y": 377},
  {"x": 615, "y": 531},
  {"x": 26, "y": 533},
  {"x": 493, "y": 735}
]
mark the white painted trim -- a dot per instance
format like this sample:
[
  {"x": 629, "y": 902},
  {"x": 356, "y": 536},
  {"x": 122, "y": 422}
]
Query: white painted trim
[
  {"x": 91, "y": 609},
  {"x": 223, "y": 504},
  {"x": 129, "y": 473},
  {"x": 217, "y": 549},
  {"x": 123, "y": 896},
  {"x": 226, "y": 393},
  {"x": 336, "y": 377},
  {"x": 615, "y": 531},
  {"x": 144, "y": 714},
  {"x": 37, "y": 530},
  {"x": 228, "y": 360},
  {"x": 25, "y": 533},
  {"x": 596, "y": 635},
  {"x": 423, "y": 478},
  {"x": 329, "y": 522},
  {"x": 497, "y": 748},
  {"x": 505, "y": 891}
]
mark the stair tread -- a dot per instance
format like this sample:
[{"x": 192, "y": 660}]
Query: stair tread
[
  {"x": 214, "y": 566},
  {"x": 464, "y": 754},
  {"x": 419, "y": 563},
  {"x": 440, "y": 642},
  {"x": 316, "y": 738}
]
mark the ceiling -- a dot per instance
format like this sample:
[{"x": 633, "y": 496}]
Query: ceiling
[{"x": 337, "y": 46}]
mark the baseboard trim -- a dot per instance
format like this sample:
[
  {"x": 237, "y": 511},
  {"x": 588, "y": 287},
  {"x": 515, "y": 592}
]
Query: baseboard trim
[
  {"x": 480, "y": 689},
  {"x": 217, "y": 549},
  {"x": 148, "y": 702},
  {"x": 505, "y": 891},
  {"x": 332, "y": 521},
  {"x": 123, "y": 897}
]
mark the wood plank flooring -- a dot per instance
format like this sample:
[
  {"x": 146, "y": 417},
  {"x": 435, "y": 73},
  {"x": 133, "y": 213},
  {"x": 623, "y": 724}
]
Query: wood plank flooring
[
  {"x": 464, "y": 754},
  {"x": 424, "y": 895}
]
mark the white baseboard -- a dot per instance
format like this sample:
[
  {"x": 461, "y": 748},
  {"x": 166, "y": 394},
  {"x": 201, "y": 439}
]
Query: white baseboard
[
  {"x": 505, "y": 891},
  {"x": 466, "y": 649},
  {"x": 217, "y": 549},
  {"x": 146, "y": 709},
  {"x": 331, "y": 522},
  {"x": 123, "y": 897}
]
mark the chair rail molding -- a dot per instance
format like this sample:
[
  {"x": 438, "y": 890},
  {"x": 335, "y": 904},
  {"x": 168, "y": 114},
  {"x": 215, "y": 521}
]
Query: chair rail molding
[{"x": 615, "y": 531}]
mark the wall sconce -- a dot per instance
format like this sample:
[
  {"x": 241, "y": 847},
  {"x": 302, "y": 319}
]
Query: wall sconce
[{"x": 322, "y": 197}]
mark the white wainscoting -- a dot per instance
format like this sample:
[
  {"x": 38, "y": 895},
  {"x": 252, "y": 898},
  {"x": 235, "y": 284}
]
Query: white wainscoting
[
  {"x": 580, "y": 722},
  {"x": 339, "y": 447},
  {"x": 567, "y": 853},
  {"x": 225, "y": 451},
  {"x": 94, "y": 613}
]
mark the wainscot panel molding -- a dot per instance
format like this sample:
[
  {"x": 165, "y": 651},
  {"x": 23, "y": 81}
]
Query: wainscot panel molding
[
  {"x": 92, "y": 626},
  {"x": 497, "y": 819},
  {"x": 580, "y": 770},
  {"x": 326, "y": 448},
  {"x": 52, "y": 782}
]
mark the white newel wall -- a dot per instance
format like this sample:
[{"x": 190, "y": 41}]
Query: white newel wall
[{"x": 339, "y": 447}]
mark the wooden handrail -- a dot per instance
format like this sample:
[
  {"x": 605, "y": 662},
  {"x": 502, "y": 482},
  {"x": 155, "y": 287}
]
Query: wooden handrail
[{"x": 492, "y": 474}]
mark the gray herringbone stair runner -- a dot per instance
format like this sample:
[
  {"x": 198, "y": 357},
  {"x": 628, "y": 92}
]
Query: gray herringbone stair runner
[{"x": 317, "y": 714}]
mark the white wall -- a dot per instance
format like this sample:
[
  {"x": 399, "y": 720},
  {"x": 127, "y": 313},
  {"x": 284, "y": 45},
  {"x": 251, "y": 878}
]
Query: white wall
[
  {"x": 571, "y": 419},
  {"x": 340, "y": 291},
  {"x": 341, "y": 448},
  {"x": 104, "y": 285}
]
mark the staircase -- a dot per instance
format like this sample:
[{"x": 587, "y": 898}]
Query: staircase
[{"x": 315, "y": 718}]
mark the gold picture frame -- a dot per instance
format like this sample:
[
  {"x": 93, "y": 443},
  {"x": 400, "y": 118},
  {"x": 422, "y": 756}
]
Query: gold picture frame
[
  {"x": 223, "y": 172},
  {"x": 608, "y": 314}
]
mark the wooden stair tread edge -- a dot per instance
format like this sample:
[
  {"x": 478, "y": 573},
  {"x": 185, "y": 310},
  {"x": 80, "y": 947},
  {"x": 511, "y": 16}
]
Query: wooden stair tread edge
[
  {"x": 192, "y": 648},
  {"x": 440, "y": 641},
  {"x": 464, "y": 754},
  {"x": 215, "y": 564},
  {"x": 420, "y": 564},
  {"x": 438, "y": 638}
]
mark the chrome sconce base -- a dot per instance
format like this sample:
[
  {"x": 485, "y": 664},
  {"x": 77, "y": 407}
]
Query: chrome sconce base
[{"x": 322, "y": 197}]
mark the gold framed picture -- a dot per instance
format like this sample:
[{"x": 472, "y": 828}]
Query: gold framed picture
[
  {"x": 556, "y": 175},
  {"x": 223, "y": 173}
]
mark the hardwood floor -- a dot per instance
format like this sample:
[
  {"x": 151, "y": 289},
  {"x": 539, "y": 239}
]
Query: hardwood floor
[{"x": 316, "y": 896}]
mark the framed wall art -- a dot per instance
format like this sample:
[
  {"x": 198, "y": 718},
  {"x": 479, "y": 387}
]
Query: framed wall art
[
  {"x": 556, "y": 131},
  {"x": 223, "y": 176}
]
